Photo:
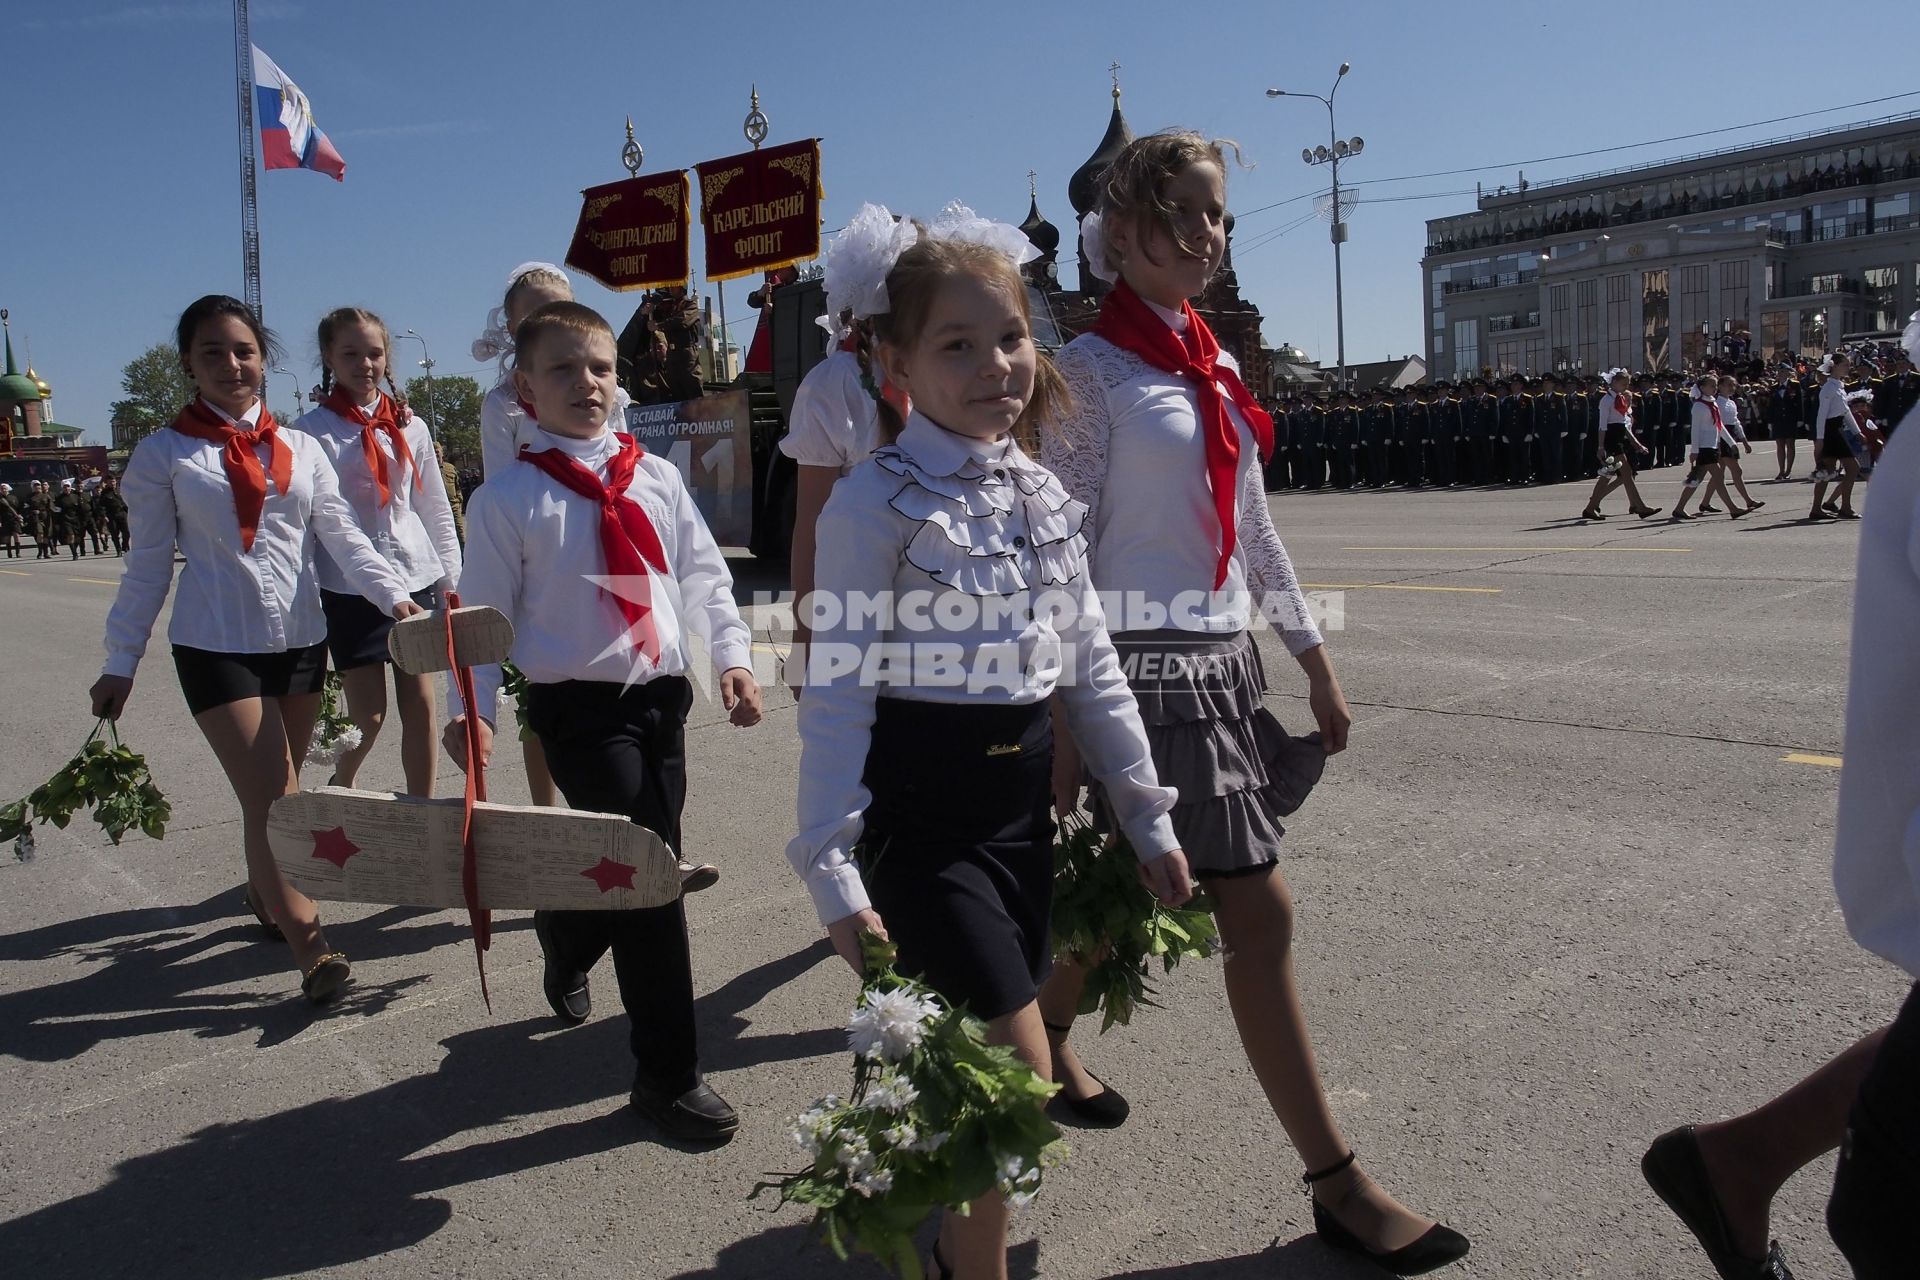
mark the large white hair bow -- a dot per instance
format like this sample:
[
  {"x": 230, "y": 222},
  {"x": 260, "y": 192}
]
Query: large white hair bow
[
  {"x": 496, "y": 343},
  {"x": 857, "y": 263},
  {"x": 958, "y": 222},
  {"x": 1093, "y": 238}
]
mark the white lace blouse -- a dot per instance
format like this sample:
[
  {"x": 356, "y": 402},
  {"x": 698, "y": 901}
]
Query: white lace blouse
[
  {"x": 954, "y": 570},
  {"x": 1132, "y": 451}
]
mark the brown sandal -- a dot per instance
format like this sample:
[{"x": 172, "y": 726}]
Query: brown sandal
[{"x": 329, "y": 974}]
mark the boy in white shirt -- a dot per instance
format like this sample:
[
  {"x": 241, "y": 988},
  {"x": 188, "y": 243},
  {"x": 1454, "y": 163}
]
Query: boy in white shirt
[{"x": 595, "y": 551}]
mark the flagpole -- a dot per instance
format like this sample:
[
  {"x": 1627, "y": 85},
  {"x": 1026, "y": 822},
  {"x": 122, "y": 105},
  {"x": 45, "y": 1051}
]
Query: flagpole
[{"x": 249, "y": 198}]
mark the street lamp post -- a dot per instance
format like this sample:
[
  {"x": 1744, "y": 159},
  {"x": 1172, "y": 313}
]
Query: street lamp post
[
  {"x": 299, "y": 397},
  {"x": 1331, "y": 155},
  {"x": 426, "y": 362}
]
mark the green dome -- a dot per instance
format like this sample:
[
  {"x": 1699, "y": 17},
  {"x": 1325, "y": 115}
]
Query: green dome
[{"x": 18, "y": 386}]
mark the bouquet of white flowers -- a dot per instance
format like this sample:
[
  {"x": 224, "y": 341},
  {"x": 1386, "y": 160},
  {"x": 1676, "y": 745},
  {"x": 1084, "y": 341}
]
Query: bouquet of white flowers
[
  {"x": 938, "y": 1117},
  {"x": 1610, "y": 467},
  {"x": 333, "y": 734}
]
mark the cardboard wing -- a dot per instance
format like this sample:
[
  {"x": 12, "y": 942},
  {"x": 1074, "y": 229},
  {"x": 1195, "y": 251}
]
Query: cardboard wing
[
  {"x": 481, "y": 634},
  {"x": 341, "y": 845}
]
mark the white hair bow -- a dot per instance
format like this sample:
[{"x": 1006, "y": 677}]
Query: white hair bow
[
  {"x": 1093, "y": 239},
  {"x": 495, "y": 342}
]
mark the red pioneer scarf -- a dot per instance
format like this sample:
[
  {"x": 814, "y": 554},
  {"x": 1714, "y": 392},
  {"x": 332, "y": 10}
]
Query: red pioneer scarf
[
  {"x": 1128, "y": 323},
  {"x": 1714, "y": 409},
  {"x": 244, "y": 472},
  {"x": 627, "y": 537},
  {"x": 384, "y": 418},
  {"x": 1620, "y": 405}
]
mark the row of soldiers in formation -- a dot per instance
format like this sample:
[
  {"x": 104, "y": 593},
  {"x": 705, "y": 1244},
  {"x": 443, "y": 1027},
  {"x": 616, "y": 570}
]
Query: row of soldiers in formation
[
  {"x": 71, "y": 516},
  {"x": 1530, "y": 430}
]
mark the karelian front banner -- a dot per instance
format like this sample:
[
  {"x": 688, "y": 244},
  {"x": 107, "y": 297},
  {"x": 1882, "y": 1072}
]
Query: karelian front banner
[
  {"x": 761, "y": 209},
  {"x": 633, "y": 234}
]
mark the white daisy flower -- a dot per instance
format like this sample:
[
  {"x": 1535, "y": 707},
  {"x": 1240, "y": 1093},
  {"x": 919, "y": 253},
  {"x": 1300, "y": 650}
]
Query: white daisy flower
[{"x": 890, "y": 1024}]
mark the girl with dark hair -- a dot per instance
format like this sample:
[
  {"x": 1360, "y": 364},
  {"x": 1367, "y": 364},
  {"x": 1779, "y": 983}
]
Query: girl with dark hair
[{"x": 248, "y": 507}]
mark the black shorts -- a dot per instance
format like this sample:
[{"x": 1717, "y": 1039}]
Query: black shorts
[
  {"x": 1615, "y": 440},
  {"x": 1707, "y": 458},
  {"x": 211, "y": 679},
  {"x": 1728, "y": 453},
  {"x": 357, "y": 629},
  {"x": 957, "y": 853}
]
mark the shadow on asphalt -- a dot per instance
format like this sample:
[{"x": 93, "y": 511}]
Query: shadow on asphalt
[
  {"x": 338, "y": 1180},
  {"x": 792, "y": 1253},
  {"x": 1302, "y": 1259},
  {"x": 154, "y": 971}
]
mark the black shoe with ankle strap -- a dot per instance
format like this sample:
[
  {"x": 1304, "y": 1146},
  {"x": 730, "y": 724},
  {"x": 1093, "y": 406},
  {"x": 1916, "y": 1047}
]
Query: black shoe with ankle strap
[
  {"x": 1437, "y": 1247},
  {"x": 1106, "y": 1109}
]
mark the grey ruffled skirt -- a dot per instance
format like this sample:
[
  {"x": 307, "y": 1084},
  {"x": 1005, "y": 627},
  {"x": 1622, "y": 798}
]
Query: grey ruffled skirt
[{"x": 1214, "y": 741}]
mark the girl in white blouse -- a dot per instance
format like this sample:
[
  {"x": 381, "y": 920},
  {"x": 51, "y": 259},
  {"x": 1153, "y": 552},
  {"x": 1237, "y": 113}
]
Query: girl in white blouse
[
  {"x": 955, "y": 607},
  {"x": 1617, "y": 445},
  {"x": 1163, "y": 445},
  {"x": 1835, "y": 455},
  {"x": 248, "y": 506},
  {"x": 389, "y": 475}
]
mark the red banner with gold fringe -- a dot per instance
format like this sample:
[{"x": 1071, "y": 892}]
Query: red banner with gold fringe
[
  {"x": 634, "y": 234},
  {"x": 761, "y": 209}
]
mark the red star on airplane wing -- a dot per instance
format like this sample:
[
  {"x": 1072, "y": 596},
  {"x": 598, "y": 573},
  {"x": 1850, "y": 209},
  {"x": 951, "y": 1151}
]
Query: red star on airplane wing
[
  {"x": 333, "y": 846},
  {"x": 610, "y": 875}
]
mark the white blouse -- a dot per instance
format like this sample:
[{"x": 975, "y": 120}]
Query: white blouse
[
  {"x": 835, "y": 422},
  {"x": 415, "y": 530},
  {"x": 1876, "y": 854},
  {"x": 1706, "y": 434},
  {"x": 1612, "y": 416},
  {"x": 1133, "y": 452},
  {"x": 533, "y": 552},
  {"x": 1833, "y": 404},
  {"x": 266, "y": 600},
  {"x": 967, "y": 563},
  {"x": 1730, "y": 414},
  {"x": 504, "y": 427}
]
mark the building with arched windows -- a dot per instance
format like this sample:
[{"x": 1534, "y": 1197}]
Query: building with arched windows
[{"x": 1775, "y": 250}]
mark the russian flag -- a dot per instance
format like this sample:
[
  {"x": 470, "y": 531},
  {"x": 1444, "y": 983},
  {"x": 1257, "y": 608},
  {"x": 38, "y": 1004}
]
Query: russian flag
[{"x": 288, "y": 136}]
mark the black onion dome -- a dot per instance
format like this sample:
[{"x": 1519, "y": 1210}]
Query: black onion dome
[
  {"x": 1083, "y": 186},
  {"x": 1043, "y": 235}
]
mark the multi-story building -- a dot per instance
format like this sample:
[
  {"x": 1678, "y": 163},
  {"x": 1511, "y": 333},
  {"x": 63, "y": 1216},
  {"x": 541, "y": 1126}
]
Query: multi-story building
[{"x": 1774, "y": 250}]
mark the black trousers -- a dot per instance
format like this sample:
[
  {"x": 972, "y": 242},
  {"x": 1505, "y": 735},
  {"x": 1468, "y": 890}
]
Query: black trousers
[
  {"x": 1877, "y": 1184},
  {"x": 625, "y": 752}
]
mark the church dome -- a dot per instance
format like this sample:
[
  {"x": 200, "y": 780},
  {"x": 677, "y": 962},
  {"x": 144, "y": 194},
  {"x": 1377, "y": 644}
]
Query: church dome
[
  {"x": 18, "y": 386},
  {"x": 1043, "y": 235},
  {"x": 46, "y": 392},
  {"x": 1083, "y": 186}
]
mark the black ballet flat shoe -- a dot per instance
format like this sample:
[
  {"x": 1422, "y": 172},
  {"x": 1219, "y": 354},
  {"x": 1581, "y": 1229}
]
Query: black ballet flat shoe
[
  {"x": 1644, "y": 512},
  {"x": 567, "y": 990},
  {"x": 1675, "y": 1170},
  {"x": 1708, "y": 509},
  {"x": 1678, "y": 516},
  {"x": 1846, "y": 513},
  {"x": 1591, "y": 514},
  {"x": 698, "y": 1115},
  {"x": 1437, "y": 1247},
  {"x": 1107, "y": 1109},
  {"x": 267, "y": 925},
  {"x": 1736, "y": 513},
  {"x": 1755, "y": 505}
]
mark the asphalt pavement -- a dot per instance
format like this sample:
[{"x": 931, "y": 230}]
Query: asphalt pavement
[{"x": 1568, "y": 888}]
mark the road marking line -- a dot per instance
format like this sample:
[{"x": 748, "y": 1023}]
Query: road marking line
[
  {"x": 18, "y": 573},
  {"x": 1396, "y": 586},
  {"x": 103, "y": 582},
  {"x": 1800, "y": 757},
  {"x": 1538, "y": 550}
]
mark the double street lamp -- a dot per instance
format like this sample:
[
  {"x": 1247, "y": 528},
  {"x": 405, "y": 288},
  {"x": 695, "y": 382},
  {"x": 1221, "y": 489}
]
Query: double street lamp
[
  {"x": 1336, "y": 150},
  {"x": 426, "y": 362}
]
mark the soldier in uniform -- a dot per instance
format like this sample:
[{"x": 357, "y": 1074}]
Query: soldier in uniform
[
  {"x": 1443, "y": 434},
  {"x": 11, "y": 520},
  {"x": 1343, "y": 439},
  {"x": 1297, "y": 431},
  {"x": 1550, "y": 430},
  {"x": 1317, "y": 442},
  {"x": 1516, "y": 430},
  {"x": 1479, "y": 421},
  {"x": 112, "y": 508},
  {"x": 1574, "y": 435},
  {"x": 1409, "y": 423},
  {"x": 70, "y": 516},
  {"x": 1277, "y": 468},
  {"x": 39, "y": 512}
]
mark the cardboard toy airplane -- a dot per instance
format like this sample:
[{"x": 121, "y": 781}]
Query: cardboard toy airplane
[{"x": 343, "y": 845}]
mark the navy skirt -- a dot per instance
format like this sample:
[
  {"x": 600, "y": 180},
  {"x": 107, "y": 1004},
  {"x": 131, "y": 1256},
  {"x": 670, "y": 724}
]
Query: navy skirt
[{"x": 957, "y": 852}]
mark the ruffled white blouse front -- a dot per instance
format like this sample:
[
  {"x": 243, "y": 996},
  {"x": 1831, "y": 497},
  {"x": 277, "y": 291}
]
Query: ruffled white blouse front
[{"x": 954, "y": 570}]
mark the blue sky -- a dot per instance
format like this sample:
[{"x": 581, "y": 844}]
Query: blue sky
[{"x": 469, "y": 128}]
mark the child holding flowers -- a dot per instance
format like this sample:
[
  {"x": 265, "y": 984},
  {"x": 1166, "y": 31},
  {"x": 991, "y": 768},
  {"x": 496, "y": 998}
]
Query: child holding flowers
[{"x": 926, "y": 735}]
